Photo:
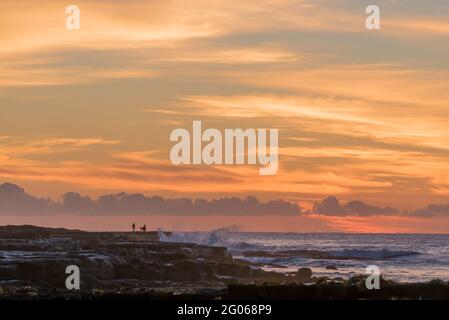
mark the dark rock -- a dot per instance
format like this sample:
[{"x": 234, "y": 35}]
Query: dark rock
[
  {"x": 39, "y": 256},
  {"x": 304, "y": 275}
]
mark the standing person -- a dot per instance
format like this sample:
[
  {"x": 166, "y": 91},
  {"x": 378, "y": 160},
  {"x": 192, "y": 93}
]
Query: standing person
[{"x": 134, "y": 227}]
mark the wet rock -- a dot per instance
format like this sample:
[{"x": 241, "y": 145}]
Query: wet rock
[
  {"x": 338, "y": 279},
  {"x": 109, "y": 260},
  {"x": 304, "y": 275},
  {"x": 331, "y": 267}
]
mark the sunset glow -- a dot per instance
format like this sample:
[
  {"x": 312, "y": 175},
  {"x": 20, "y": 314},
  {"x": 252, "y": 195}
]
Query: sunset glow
[{"x": 362, "y": 116}]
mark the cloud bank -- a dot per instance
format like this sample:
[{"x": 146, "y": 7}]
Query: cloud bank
[
  {"x": 331, "y": 206},
  {"x": 432, "y": 210},
  {"x": 15, "y": 201}
]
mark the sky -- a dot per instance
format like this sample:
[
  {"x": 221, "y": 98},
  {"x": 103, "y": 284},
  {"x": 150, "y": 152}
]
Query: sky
[{"x": 362, "y": 115}]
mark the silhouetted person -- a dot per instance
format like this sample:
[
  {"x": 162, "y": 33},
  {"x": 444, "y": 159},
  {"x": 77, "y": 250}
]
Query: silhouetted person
[
  {"x": 144, "y": 228},
  {"x": 134, "y": 227}
]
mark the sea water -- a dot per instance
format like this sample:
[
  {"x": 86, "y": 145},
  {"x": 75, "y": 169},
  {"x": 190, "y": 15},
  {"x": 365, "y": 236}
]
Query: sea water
[{"x": 401, "y": 257}]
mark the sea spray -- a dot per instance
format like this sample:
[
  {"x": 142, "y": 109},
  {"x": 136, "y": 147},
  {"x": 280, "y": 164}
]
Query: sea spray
[{"x": 212, "y": 238}]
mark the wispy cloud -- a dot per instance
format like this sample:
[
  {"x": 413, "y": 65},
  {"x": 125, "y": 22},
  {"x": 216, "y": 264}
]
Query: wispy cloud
[{"x": 362, "y": 115}]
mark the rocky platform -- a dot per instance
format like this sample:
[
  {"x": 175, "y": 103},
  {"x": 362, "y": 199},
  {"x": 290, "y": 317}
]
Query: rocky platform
[
  {"x": 136, "y": 265},
  {"x": 36, "y": 257}
]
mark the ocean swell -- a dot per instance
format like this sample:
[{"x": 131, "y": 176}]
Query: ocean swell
[
  {"x": 383, "y": 254},
  {"x": 348, "y": 254}
]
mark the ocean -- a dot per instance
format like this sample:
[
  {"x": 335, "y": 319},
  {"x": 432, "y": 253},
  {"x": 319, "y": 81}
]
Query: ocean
[{"x": 400, "y": 257}]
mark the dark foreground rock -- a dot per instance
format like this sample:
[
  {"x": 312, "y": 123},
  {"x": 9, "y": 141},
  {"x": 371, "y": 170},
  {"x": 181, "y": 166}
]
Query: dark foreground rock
[
  {"x": 34, "y": 257},
  {"x": 352, "y": 289},
  {"x": 136, "y": 265},
  {"x": 346, "y": 290}
]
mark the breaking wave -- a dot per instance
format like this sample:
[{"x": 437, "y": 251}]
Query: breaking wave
[{"x": 212, "y": 238}]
